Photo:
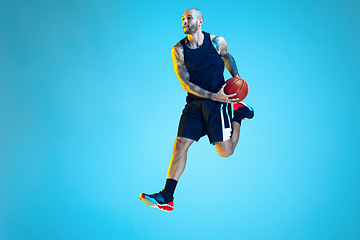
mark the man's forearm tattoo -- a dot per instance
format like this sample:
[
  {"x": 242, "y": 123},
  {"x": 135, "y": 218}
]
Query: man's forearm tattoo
[
  {"x": 196, "y": 90},
  {"x": 230, "y": 64}
]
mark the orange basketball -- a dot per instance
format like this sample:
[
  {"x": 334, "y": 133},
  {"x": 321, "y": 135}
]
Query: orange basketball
[{"x": 237, "y": 85}]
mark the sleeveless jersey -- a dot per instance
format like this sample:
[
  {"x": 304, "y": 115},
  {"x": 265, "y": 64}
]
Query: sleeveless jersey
[{"x": 205, "y": 66}]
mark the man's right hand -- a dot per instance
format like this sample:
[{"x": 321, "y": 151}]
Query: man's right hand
[{"x": 221, "y": 96}]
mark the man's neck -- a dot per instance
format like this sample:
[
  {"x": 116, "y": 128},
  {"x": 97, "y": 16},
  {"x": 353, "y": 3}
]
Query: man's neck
[{"x": 195, "y": 40}]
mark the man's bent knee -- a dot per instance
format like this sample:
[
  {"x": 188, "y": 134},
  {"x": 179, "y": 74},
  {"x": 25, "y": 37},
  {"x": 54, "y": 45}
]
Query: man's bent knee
[
  {"x": 224, "y": 149},
  {"x": 226, "y": 153}
]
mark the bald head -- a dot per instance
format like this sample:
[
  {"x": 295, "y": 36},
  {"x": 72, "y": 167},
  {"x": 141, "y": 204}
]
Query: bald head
[{"x": 196, "y": 12}]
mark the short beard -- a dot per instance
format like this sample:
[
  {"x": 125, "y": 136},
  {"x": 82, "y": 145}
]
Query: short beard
[{"x": 192, "y": 29}]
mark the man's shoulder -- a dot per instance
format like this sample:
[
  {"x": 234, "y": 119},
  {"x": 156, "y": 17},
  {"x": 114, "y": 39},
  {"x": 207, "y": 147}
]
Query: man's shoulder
[
  {"x": 178, "y": 46},
  {"x": 218, "y": 42},
  {"x": 215, "y": 38},
  {"x": 177, "y": 51}
]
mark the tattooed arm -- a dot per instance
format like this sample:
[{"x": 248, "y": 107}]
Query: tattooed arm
[
  {"x": 183, "y": 75},
  {"x": 221, "y": 46}
]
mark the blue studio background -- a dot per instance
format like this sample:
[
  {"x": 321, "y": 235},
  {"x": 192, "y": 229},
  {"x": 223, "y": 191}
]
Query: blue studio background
[{"x": 90, "y": 105}]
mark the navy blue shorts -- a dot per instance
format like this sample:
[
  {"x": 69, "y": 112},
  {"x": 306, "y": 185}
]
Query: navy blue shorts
[{"x": 206, "y": 117}]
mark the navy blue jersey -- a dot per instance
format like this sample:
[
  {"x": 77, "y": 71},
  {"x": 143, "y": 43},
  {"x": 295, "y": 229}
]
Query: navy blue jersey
[{"x": 205, "y": 66}]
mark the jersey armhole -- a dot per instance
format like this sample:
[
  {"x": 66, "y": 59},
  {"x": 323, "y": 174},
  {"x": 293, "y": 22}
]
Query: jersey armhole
[{"x": 213, "y": 44}]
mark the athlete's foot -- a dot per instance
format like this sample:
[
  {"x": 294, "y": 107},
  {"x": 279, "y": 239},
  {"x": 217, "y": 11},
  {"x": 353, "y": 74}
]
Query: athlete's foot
[
  {"x": 157, "y": 201},
  {"x": 241, "y": 111}
]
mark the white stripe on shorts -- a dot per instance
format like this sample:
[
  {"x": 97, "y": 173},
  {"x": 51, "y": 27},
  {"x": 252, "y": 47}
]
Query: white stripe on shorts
[{"x": 226, "y": 132}]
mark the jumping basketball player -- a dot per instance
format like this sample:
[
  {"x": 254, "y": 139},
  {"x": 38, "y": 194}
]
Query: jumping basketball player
[{"x": 199, "y": 61}]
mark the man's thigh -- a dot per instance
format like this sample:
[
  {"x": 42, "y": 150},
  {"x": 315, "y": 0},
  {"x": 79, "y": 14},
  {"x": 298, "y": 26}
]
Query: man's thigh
[{"x": 192, "y": 125}]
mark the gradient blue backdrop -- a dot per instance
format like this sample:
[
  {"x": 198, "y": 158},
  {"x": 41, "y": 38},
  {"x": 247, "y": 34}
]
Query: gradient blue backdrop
[{"x": 90, "y": 105}]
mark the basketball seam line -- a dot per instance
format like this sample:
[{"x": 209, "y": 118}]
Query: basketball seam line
[
  {"x": 241, "y": 87},
  {"x": 233, "y": 83}
]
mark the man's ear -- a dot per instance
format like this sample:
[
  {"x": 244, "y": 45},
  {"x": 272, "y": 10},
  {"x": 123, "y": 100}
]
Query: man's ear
[{"x": 201, "y": 21}]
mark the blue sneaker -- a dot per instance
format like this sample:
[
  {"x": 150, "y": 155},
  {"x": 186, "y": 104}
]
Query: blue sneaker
[{"x": 157, "y": 201}]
